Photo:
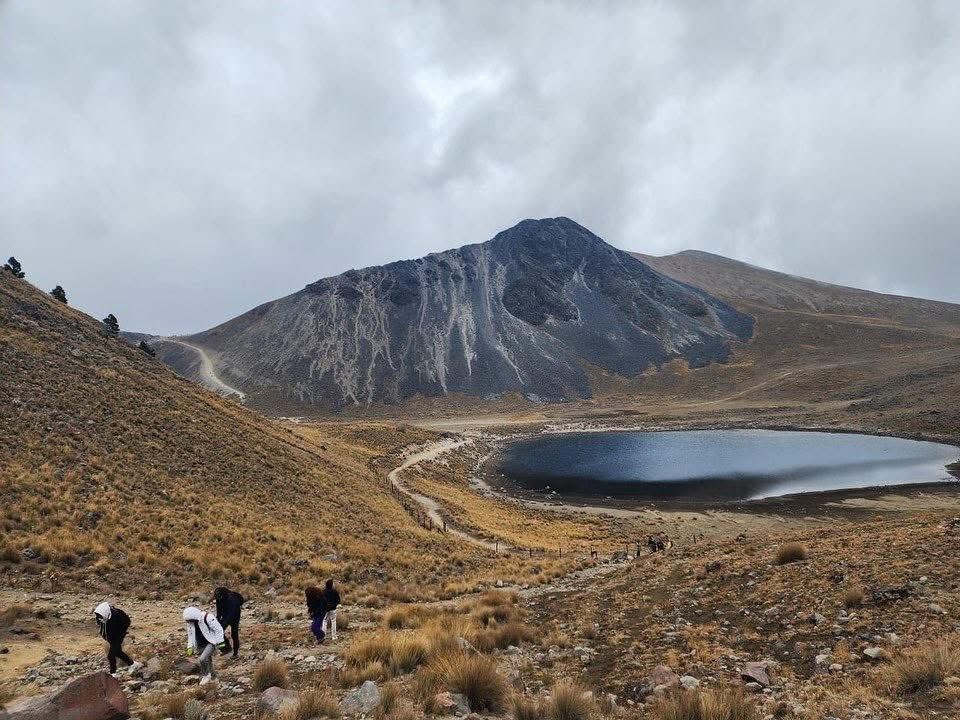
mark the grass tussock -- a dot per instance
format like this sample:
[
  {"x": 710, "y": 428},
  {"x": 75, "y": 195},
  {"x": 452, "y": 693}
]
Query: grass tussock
[
  {"x": 790, "y": 553},
  {"x": 318, "y": 702},
  {"x": 523, "y": 707},
  {"x": 166, "y": 705},
  {"x": 923, "y": 667},
  {"x": 399, "y": 617},
  {"x": 476, "y": 678},
  {"x": 272, "y": 672},
  {"x": 569, "y": 700},
  {"x": 705, "y": 705},
  {"x": 853, "y": 597}
]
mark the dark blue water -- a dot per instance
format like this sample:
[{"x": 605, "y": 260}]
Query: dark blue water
[{"x": 719, "y": 464}]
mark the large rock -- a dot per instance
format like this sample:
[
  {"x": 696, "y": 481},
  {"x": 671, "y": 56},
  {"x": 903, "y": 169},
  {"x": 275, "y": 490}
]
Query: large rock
[
  {"x": 97, "y": 696},
  {"x": 756, "y": 672},
  {"x": 274, "y": 699},
  {"x": 662, "y": 678},
  {"x": 362, "y": 701}
]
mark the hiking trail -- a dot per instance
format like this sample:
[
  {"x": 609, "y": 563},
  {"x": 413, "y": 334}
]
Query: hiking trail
[{"x": 208, "y": 374}]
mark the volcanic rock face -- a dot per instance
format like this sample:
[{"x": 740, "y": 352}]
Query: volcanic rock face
[{"x": 522, "y": 312}]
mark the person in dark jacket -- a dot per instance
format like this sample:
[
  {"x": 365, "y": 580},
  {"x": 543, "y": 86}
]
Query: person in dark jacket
[
  {"x": 316, "y": 609},
  {"x": 228, "y": 615},
  {"x": 113, "y": 624},
  {"x": 332, "y": 599}
]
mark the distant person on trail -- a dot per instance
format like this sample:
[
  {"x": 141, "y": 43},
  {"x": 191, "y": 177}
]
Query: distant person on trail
[
  {"x": 113, "y": 624},
  {"x": 332, "y": 600},
  {"x": 317, "y": 610},
  {"x": 204, "y": 634},
  {"x": 228, "y": 615}
]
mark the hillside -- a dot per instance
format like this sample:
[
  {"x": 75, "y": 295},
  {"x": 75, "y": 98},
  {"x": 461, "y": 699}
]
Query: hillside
[
  {"x": 117, "y": 474},
  {"x": 523, "y": 312}
]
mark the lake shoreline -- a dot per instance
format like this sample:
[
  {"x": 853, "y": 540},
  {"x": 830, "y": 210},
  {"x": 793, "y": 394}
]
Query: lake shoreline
[{"x": 488, "y": 478}]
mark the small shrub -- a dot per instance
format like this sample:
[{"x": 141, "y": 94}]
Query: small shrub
[
  {"x": 708, "y": 705},
  {"x": 272, "y": 672},
  {"x": 791, "y": 552},
  {"x": 6, "y": 695},
  {"x": 193, "y": 709},
  {"x": 571, "y": 701},
  {"x": 923, "y": 667},
  {"x": 853, "y": 597},
  {"x": 9, "y": 615}
]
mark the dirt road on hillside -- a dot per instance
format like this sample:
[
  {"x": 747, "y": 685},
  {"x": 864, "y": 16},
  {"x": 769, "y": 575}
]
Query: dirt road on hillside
[{"x": 208, "y": 374}]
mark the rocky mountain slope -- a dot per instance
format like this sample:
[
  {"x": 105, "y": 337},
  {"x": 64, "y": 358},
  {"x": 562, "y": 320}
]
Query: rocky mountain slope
[
  {"x": 115, "y": 474},
  {"x": 748, "y": 286},
  {"x": 525, "y": 312}
]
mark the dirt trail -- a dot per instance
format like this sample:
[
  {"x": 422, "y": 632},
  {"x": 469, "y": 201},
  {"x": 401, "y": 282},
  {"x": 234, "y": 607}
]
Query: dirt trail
[
  {"x": 208, "y": 375},
  {"x": 430, "y": 506}
]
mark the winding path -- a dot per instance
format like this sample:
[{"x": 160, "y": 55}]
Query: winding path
[
  {"x": 208, "y": 375},
  {"x": 430, "y": 506}
]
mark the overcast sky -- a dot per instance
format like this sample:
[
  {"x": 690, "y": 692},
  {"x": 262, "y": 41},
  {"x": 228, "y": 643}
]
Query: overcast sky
[{"x": 177, "y": 162}]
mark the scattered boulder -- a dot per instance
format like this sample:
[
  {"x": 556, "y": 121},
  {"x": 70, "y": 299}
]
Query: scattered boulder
[
  {"x": 756, "y": 672},
  {"x": 273, "y": 700},
  {"x": 689, "y": 682},
  {"x": 874, "y": 653},
  {"x": 188, "y": 666},
  {"x": 447, "y": 703},
  {"x": 361, "y": 701},
  {"x": 662, "y": 679},
  {"x": 152, "y": 669},
  {"x": 97, "y": 696}
]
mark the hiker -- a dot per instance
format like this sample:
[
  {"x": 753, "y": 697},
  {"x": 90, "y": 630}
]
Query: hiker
[
  {"x": 228, "y": 615},
  {"x": 113, "y": 624},
  {"x": 316, "y": 609},
  {"x": 204, "y": 634},
  {"x": 331, "y": 599},
  {"x": 651, "y": 543}
]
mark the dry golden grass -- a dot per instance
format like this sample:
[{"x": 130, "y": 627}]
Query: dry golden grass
[
  {"x": 569, "y": 700},
  {"x": 272, "y": 672},
  {"x": 922, "y": 667},
  {"x": 390, "y": 695},
  {"x": 103, "y": 423},
  {"x": 523, "y": 707},
  {"x": 704, "y": 705},
  {"x": 317, "y": 702},
  {"x": 790, "y": 553},
  {"x": 476, "y": 678},
  {"x": 6, "y": 695},
  {"x": 165, "y": 705}
]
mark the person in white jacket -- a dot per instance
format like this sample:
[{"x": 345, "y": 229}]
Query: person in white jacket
[{"x": 204, "y": 634}]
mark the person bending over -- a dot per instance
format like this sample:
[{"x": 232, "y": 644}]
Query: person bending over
[
  {"x": 228, "y": 615},
  {"x": 204, "y": 633}
]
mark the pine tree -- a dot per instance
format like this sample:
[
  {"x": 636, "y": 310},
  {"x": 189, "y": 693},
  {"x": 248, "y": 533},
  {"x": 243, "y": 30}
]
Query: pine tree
[
  {"x": 13, "y": 266},
  {"x": 147, "y": 349},
  {"x": 59, "y": 294},
  {"x": 111, "y": 328}
]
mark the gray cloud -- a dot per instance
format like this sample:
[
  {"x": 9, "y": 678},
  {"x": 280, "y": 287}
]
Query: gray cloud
[{"x": 178, "y": 162}]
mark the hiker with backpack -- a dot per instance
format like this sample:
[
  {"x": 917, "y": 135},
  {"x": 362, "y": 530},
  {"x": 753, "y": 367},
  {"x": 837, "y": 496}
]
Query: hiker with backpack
[
  {"x": 113, "y": 624},
  {"x": 204, "y": 634},
  {"x": 228, "y": 615},
  {"x": 317, "y": 610},
  {"x": 331, "y": 598}
]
